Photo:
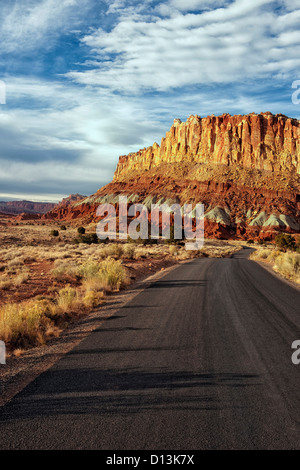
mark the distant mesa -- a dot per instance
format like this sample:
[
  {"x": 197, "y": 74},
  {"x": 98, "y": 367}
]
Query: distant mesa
[
  {"x": 27, "y": 207},
  {"x": 28, "y": 210},
  {"x": 245, "y": 169},
  {"x": 61, "y": 209}
]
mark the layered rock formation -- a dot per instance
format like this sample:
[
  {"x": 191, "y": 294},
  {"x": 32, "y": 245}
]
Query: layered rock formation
[
  {"x": 244, "y": 169},
  {"x": 63, "y": 207},
  {"x": 263, "y": 142},
  {"x": 27, "y": 207}
]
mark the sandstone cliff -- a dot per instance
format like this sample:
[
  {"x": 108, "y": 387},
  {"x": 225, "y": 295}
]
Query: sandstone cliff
[
  {"x": 263, "y": 142},
  {"x": 244, "y": 169}
]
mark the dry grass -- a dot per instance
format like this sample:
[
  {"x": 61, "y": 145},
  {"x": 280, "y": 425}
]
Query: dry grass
[
  {"x": 23, "y": 325},
  {"x": 68, "y": 300},
  {"x": 287, "y": 264},
  {"x": 14, "y": 278},
  {"x": 112, "y": 274},
  {"x": 219, "y": 249},
  {"x": 93, "y": 298},
  {"x": 82, "y": 276},
  {"x": 31, "y": 323}
]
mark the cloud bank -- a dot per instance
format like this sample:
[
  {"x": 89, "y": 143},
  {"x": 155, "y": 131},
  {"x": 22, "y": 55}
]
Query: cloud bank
[{"x": 88, "y": 81}]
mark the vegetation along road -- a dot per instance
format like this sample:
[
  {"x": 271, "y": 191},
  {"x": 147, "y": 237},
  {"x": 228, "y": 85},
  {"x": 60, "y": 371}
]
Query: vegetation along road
[{"x": 201, "y": 359}]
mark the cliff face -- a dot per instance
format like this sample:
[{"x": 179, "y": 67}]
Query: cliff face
[
  {"x": 59, "y": 211},
  {"x": 264, "y": 142},
  {"x": 244, "y": 169}
]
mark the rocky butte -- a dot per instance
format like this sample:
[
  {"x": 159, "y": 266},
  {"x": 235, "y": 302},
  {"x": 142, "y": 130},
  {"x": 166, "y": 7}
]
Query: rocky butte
[{"x": 245, "y": 169}]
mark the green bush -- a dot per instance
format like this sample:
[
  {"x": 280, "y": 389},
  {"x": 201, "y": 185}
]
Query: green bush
[
  {"x": 89, "y": 238},
  {"x": 81, "y": 230},
  {"x": 54, "y": 233},
  {"x": 63, "y": 227},
  {"x": 285, "y": 242}
]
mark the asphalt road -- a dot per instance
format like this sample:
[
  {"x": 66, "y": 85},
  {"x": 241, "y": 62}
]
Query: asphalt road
[{"x": 199, "y": 360}]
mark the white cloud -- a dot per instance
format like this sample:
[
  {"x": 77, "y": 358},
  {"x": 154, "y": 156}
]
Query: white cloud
[
  {"x": 223, "y": 45},
  {"x": 71, "y": 139},
  {"x": 63, "y": 137},
  {"x": 292, "y": 4},
  {"x": 28, "y": 23},
  {"x": 190, "y": 5},
  {"x": 68, "y": 136}
]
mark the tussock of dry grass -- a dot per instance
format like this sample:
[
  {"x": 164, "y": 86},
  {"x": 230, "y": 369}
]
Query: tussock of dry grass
[
  {"x": 68, "y": 299},
  {"x": 287, "y": 264},
  {"x": 93, "y": 298},
  {"x": 31, "y": 323},
  {"x": 23, "y": 325},
  {"x": 63, "y": 269},
  {"x": 14, "y": 278}
]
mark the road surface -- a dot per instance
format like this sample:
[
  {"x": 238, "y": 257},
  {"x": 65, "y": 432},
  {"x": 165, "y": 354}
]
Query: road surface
[{"x": 199, "y": 360}]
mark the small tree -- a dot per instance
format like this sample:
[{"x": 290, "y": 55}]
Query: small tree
[
  {"x": 285, "y": 242},
  {"x": 89, "y": 238}
]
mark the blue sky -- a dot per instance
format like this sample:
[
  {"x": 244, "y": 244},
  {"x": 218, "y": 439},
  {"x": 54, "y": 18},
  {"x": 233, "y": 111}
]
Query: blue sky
[{"x": 89, "y": 80}]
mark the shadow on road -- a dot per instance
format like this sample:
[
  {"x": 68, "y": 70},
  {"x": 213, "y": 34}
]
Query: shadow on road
[
  {"x": 77, "y": 392},
  {"x": 178, "y": 283}
]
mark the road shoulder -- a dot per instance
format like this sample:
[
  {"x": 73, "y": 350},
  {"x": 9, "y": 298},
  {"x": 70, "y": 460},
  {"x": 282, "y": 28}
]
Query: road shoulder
[{"x": 20, "y": 371}]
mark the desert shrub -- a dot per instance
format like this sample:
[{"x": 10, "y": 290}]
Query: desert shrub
[
  {"x": 88, "y": 238},
  {"x": 63, "y": 227},
  {"x": 23, "y": 325},
  {"x": 68, "y": 299},
  {"x": 288, "y": 264},
  {"x": 92, "y": 299},
  {"x": 107, "y": 275},
  {"x": 93, "y": 284},
  {"x": 250, "y": 241},
  {"x": 21, "y": 277},
  {"x": 90, "y": 269},
  {"x": 54, "y": 233},
  {"x": 173, "y": 249},
  {"x": 129, "y": 251},
  {"x": 273, "y": 255},
  {"x": 264, "y": 254},
  {"x": 81, "y": 230},
  {"x": 141, "y": 253},
  {"x": 112, "y": 274},
  {"x": 114, "y": 250},
  {"x": 261, "y": 254},
  {"x": 62, "y": 269},
  {"x": 285, "y": 241}
]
